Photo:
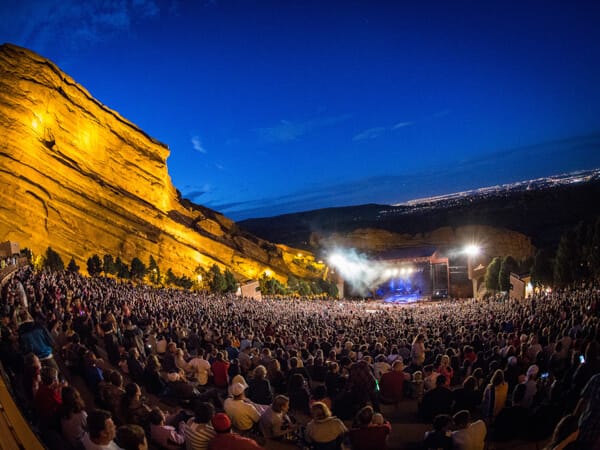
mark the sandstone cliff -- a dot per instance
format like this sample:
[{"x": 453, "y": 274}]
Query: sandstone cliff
[{"x": 79, "y": 177}]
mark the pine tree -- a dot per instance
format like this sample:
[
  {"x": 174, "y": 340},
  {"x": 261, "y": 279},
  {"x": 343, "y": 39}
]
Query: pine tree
[
  {"x": 72, "y": 266},
  {"x": 94, "y": 265},
  {"x": 153, "y": 271},
  {"x": 138, "y": 269},
  {"x": 508, "y": 265},
  {"x": 542, "y": 269},
  {"x": 566, "y": 256},
  {"x": 53, "y": 261},
  {"x": 109, "y": 266}
]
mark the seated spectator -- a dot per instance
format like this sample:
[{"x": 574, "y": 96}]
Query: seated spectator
[
  {"x": 588, "y": 410},
  {"x": 325, "y": 431},
  {"x": 163, "y": 435},
  {"x": 366, "y": 434},
  {"x": 468, "y": 436},
  {"x": 225, "y": 439},
  {"x": 185, "y": 392},
  {"x": 381, "y": 366},
  {"x": 436, "y": 401},
  {"x": 48, "y": 398},
  {"x": 198, "y": 430},
  {"x": 92, "y": 373},
  {"x": 298, "y": 393},
  {"x": 131, "y": 437},
  {"x": 320, "y": 395},
  {"x": 259, "y": 389},
  {"x": 35, "y": 338},
  {"x": 199, "y": 368},
  {"x": 73, "y": 417},
  {"x": 429, "y": 377},
  {"x": 334, "y": 381},
  {"x": 153, "y": 381},
  {"x": 391, "y": 385},
  {"x": 440, "y": 438},
  {"x": 101, "y": 431},
  {"x": 243, "y": 413},
  {"x": 275, "y": 422},
  {"x": 135, "y": 365},
  {"x": 133, "y": 407},
  {"x": 110, "y": 394},
  {"x": 531, "y": 385},
  {"x": 31, "y": 376}
]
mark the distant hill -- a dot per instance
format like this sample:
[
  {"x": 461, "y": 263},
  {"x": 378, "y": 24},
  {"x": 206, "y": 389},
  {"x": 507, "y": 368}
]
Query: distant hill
[{"x": 540, "y": 209}]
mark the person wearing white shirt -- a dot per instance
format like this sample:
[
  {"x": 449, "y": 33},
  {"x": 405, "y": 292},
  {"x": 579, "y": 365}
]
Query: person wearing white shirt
[{"x": 468, "y": 436}]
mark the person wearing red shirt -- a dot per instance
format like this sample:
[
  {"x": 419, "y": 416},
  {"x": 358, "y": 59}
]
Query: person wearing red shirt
[
  {"x": 48, "y": 398},
  {"x": 369, "y": 430},
  {"x": 225, "y": 439},
  {"x": 392, "y": 383},
  {"x": 219, "y": 369}
]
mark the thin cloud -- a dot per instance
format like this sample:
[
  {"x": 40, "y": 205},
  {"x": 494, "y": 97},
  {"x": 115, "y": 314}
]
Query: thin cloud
[
  {"x": 197, "y": 144},
  {"x": 286, "y": 131},
  {"x": 71, "y": 24},
  {"x": 402, "y": 125},
  {"x": 375, "y": 132},
  {"x": 371, "y": 133}
]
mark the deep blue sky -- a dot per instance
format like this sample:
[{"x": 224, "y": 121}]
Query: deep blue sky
[{"x": 279, "y": 106}]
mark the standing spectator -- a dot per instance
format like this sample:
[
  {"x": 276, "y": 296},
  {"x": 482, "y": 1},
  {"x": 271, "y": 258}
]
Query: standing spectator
[
  {"x": 417, "y": 351},
  {"x": 468, "y": 396},
  {"x": 436, "y": 401},
  {"x": 36, "y": 339},
  {"x": 494, "y": 397},
  {"x": 588, "y": 410},
  {"x": 219, "y": 369}
]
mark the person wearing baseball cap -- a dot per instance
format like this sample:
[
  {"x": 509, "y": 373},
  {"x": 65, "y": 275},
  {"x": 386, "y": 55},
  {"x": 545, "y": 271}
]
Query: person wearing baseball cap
[
  {"x": 243, "y": 412},
  {"x": 225, "y": 439}
]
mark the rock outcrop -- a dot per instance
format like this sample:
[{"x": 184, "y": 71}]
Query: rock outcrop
[
  {"x": 493, "y": 241},
  {"x": 79, "y": 177}
]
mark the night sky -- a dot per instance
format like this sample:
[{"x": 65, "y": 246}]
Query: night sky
[{"x": 279, "y": 106}]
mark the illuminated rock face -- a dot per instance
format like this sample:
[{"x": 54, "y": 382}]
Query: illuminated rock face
[
  {"x": 79, "y": 177},
  {"x": 493, "y": 241}
]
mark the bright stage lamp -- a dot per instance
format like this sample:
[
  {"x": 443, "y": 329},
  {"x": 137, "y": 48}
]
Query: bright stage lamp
[{"x": 472, "y": 250}]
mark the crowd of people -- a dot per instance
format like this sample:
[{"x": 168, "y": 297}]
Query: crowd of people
[{"x": 178, "y": 369}]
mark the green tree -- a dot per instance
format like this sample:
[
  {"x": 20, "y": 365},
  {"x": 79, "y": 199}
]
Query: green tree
[
  {"x": 170, "y": 278},
  {"x": 508, "y": 265},
  {"x": 491, "y": 274},
  {"x": 122, "y": 269},
  {"x": 542, "y": 269},
  {"x": 153, "y": 271},
  {"x": 109, "y": 266},
  {"x": 567, "y": 256},
  {"x": 216, "y": 280},
  {"x": 138, "y": 269},
  {"x": 94, "y": 265},
  {"x": 72, "y": 266},
  {"x": 52, "y": 261},
  {"x": 231, "y": 283}
]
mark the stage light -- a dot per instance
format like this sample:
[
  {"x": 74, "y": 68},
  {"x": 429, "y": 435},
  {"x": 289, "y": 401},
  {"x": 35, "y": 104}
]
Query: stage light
[
  {"x": 268, "y": 273},
  {"x": 472, "y": 250},
  {"x": 395, "y": 272},
  {"x": 402, "y": 271}
]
